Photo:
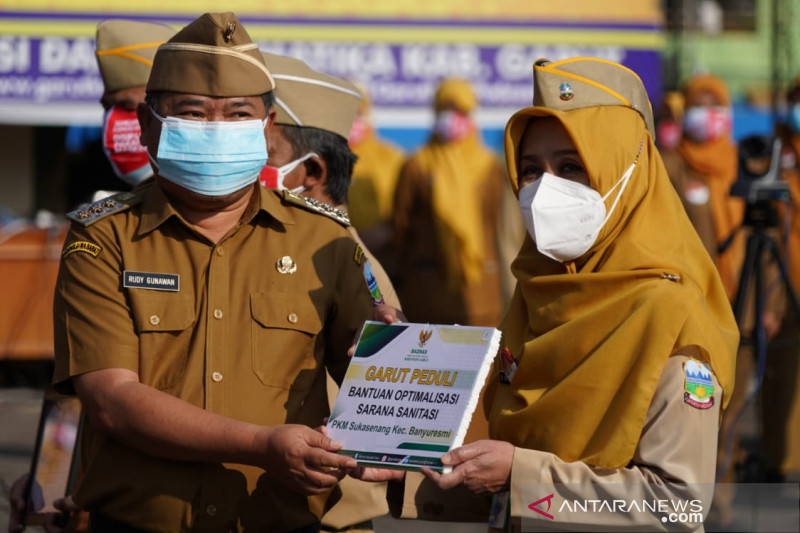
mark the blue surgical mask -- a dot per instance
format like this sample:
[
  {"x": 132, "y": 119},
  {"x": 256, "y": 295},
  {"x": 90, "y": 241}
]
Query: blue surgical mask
[
  {"x": 211, "y": 158},
  {"x": 794, "y": 118}
]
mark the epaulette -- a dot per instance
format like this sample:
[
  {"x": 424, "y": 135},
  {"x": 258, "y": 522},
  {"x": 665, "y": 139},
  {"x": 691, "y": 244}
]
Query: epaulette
[
  {"x": 318, "y": 207},
  {"x": 91, "y": 213}
]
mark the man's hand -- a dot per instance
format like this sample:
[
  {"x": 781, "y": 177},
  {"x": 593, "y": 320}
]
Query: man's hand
[
  {"x": 388, "y": 314},
  {"x": 16, "y": 499},
  {"x": 77, "y": 521},
  {"x": 369, "y": 473},
  {"x": 382, "y": 313},
  {"x": 302, "y": 458},
  {"x": 482, "y": 466}
]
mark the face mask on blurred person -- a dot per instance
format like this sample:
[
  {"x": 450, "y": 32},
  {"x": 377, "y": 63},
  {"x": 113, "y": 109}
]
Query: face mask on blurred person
[
  {"x": 273, "y": 177},
  {"x": 707, "y": 123},
  {"x": 564, "y": 217},
  {"x": 121, "y": 144},
  {"x": 358, "y": 131},
  {"x": 211, "y": 158},
  {"x": 668, "y": 134},
  {"x": 451, "y": 126},
  {"x": 794, "y": 118}
]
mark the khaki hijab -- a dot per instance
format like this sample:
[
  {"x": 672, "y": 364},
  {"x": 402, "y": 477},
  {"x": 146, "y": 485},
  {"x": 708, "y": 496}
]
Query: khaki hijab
[{"x": 591, "y": 337}]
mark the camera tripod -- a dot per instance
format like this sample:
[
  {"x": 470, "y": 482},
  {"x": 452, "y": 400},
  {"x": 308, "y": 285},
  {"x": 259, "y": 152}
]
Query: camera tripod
[{"x": 760, "y": 216}]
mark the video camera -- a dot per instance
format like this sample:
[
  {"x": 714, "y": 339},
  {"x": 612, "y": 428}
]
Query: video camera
[{"x": 759, "y": 175}]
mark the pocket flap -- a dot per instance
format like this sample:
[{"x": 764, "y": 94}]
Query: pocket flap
[
  {"x": 284, "y": 311},
  {"x": 162, "y": 311}
]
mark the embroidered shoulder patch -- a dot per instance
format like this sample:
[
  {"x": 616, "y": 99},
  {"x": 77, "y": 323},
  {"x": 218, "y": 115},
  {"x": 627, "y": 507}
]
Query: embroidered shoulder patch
[
  {"x": 82, "y": 246},
  {"x": 698, "y": 385}
]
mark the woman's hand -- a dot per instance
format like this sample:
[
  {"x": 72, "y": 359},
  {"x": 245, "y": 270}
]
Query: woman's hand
[{"x": 482, "y": 466}]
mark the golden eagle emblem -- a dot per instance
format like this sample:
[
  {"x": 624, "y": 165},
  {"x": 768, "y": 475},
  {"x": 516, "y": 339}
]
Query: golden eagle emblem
[{"x": 424, "y": 336}]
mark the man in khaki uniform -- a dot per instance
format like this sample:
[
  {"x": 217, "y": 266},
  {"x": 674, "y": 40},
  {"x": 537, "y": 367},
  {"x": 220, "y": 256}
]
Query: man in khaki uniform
[
  {"x": 195, "y": 318},
  {"x": 310, "y": 154},
  {"x": 309, "y": 151},
  {"x": 124, "y": 53}
]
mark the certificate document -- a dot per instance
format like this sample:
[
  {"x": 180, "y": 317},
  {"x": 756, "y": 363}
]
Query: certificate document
[{"x": 410, "y": 391}]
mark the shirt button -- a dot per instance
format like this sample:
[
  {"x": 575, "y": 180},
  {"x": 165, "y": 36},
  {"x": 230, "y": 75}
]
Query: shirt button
[
  {"x": 211, "y": 510},
  {"x": 154, "y": 319},
  {"x": 216, "y": 376},
  {"x": 219, "y": 251},
  {"x": 217, "y": 313},
  {"x": 292, "y": 318}
]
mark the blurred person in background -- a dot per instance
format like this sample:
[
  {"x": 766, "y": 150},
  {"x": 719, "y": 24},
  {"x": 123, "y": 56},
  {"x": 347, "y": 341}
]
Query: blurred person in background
[
  {"x": 371, "y": 192},
  {"x": 703, "y": 167},
  {"x": 445, "y": 219},
  {"x": 124, "y": 53},
  {"x": 117, "y": 161},
  {"x": 310, "y": 160},
  {"x": 781, "y": 391},
  {"x": 668, "y": 121}
]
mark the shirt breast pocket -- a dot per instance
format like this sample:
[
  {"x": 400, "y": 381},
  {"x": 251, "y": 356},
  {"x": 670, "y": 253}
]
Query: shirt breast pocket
[
  {"x": 164, "y": 323},
  {"x": 284, "y": 333}
]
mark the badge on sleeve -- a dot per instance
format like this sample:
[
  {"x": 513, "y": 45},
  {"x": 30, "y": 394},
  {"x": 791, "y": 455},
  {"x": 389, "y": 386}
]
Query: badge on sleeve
[
  {"x": 372, "y": 284},
  {"x": 698, "y": 386},
  {"x": 85, "y": 247}
]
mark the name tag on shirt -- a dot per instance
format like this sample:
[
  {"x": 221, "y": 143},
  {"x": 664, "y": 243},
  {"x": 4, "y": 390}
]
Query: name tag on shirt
[{"x": 151, "y": 280}]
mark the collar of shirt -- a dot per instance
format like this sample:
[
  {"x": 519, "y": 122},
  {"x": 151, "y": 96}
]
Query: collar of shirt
[{"x": 156, "y": 209}]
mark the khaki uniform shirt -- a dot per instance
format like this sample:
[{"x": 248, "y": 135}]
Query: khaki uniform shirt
[
  {"x": 678, "y": 444},
  {"x": 243, "y": 335}
]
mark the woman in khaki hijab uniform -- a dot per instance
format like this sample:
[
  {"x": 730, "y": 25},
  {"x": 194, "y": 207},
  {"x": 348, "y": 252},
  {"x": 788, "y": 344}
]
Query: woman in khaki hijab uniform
[
  {"x": 619, "y": 347},
  {"x": 445, "y": 217}
]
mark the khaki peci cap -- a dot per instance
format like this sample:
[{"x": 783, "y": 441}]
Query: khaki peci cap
[
  {"x": 588, "y": 82},
  {"x": 125, "y": 51},
  {"x": 212, "y": 56},
  {"x": 309, "y": 98},
  {"x": 568, "y": 89}
]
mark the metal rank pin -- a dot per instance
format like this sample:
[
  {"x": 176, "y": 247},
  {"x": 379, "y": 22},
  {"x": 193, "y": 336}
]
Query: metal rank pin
[
  {"x": 97, "y": 208},
  {"x": 286, "y": 265},
  {"x": 104, "y": 207}
]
